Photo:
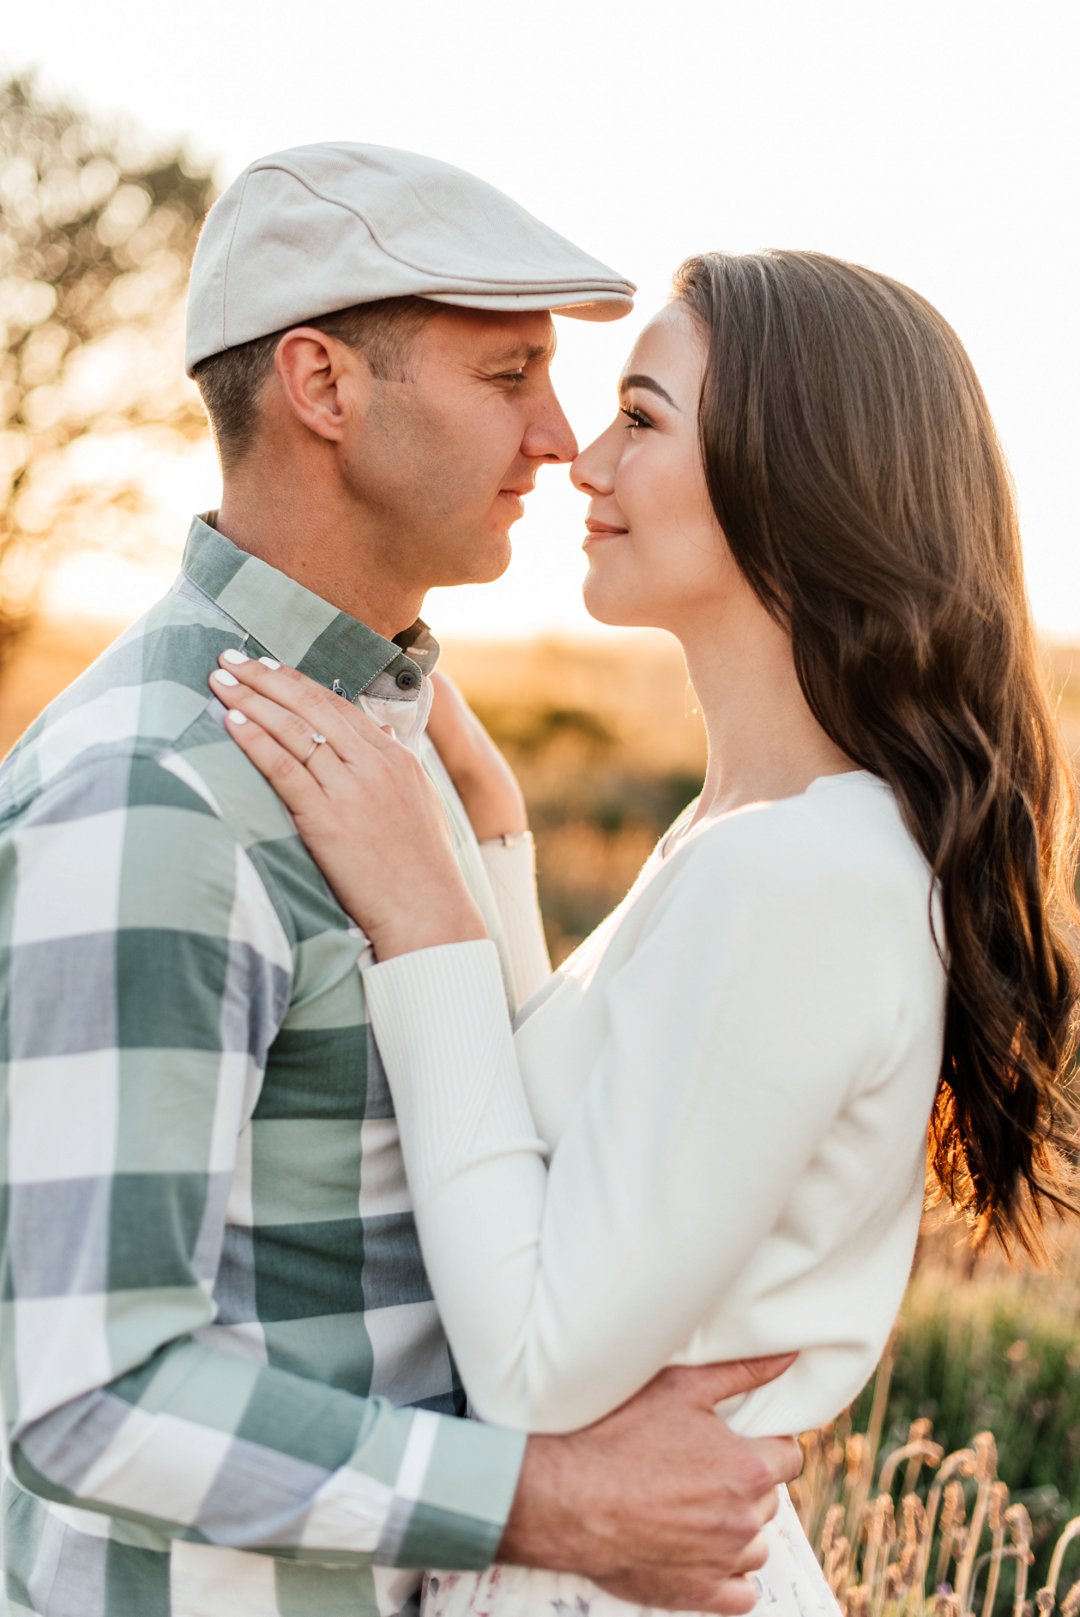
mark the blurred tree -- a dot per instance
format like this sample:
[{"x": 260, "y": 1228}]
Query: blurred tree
[{"x": 96, "y": 234}]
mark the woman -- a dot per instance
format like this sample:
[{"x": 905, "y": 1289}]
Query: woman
[{"x": 851, "y": 940}]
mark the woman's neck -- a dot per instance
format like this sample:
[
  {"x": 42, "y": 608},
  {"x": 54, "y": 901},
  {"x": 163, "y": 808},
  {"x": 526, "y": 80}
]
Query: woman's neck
[{"x": 764, "y": 742}]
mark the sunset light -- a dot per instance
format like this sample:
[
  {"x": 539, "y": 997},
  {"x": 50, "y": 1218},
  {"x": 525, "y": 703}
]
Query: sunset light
[{"x": 935, "y": 144}]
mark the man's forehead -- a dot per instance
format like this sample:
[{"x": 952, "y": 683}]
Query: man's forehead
[{"x": 499, "y": 338}]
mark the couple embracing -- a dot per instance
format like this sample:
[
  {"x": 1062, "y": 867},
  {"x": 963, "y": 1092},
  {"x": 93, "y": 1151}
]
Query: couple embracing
[{"x": 343, "y": 1240}]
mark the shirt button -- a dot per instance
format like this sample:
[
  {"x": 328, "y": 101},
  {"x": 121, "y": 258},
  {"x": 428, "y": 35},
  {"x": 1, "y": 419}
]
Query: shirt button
[{"x": 406, "y": 680}]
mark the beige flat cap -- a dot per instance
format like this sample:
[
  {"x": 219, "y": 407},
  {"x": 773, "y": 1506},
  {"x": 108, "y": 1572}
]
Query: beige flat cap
[{"x": 307, "y": 231}]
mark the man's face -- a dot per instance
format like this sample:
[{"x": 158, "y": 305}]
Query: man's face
[{"x": 440, "y": 462}]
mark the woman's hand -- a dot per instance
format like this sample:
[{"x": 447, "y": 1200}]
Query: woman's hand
[
  {"x": 484, "y": 780},
  {"x": 371, "y": 819}
]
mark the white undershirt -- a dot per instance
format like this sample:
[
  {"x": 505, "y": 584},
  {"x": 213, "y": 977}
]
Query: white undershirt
[{"x": 705, "y": 1138}]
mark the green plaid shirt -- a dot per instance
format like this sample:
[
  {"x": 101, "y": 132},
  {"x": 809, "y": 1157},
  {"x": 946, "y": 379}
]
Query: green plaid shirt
[{"x": 214, "y": 1305}]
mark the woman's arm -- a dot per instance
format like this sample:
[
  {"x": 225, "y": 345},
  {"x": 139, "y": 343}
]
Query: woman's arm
[
  {"x": 495, "y": 805},
  {"x": 484, "y": 781},
  {"x": 734, "y": 1035},
  {"x": 510, "y": 863}
]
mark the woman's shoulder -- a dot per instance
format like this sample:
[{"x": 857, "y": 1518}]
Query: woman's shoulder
[
  {"x": 841, "y": 843},
  {"x": 811, "y": 912}
]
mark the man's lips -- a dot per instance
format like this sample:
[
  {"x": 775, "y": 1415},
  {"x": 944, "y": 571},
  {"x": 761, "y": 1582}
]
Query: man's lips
[{"x": 516, "y": 496}]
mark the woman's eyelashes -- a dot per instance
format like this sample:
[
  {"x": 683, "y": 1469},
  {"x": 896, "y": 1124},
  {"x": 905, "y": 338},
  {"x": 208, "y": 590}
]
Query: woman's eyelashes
[{"x": 635, "y": 417}]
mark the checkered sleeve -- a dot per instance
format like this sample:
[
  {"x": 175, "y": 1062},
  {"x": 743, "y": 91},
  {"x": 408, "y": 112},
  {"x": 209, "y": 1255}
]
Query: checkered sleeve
[{"x": 144, "y": 972}]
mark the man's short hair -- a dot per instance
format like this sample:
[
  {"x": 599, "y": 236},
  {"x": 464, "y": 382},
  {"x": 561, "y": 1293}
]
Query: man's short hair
[{"x": 230, "y": 382}]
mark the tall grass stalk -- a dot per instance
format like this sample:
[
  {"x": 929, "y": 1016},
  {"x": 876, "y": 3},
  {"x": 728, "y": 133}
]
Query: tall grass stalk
[{"x": 913, "y": 1531}]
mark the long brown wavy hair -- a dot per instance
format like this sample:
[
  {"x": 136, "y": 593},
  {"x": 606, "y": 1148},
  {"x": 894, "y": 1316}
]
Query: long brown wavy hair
[{"x": 857, "y": 477}]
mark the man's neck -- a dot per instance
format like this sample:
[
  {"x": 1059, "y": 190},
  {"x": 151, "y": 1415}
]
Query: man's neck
[{"x": 309, "y": 544}]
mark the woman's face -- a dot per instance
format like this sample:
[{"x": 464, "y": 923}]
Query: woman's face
[{"x": 656, "y": 552}]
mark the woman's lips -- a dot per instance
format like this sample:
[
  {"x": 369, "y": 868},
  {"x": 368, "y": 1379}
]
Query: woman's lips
[{"x": 600, "y": 530}]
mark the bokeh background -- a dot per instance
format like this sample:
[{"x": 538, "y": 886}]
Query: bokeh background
[{"x": 938, "y": 142}]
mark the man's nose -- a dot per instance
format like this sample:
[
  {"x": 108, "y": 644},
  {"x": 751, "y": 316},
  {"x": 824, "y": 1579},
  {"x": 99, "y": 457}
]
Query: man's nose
[{"x": 550, "y": 436}]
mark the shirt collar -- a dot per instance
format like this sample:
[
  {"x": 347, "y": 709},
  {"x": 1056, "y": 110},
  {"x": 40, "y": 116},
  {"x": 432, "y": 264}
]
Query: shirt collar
[{"x": 301, "y": 629}]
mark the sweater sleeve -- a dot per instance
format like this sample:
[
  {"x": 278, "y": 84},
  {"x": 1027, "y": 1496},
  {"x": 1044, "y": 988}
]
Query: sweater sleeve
[
  {"x": 511, "y": 870},
  {"x": 734, "y": 1035}
]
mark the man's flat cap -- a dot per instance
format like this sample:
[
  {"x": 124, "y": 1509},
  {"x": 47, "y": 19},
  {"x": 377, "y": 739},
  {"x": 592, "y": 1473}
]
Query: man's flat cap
[{"x": 305, "y": 232}]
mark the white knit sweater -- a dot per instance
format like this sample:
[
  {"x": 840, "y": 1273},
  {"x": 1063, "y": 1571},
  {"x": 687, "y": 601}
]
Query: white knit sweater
[{"x": 705, "y": 1138}]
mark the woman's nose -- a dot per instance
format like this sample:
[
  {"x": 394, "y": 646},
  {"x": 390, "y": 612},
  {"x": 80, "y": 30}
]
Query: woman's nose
[{"x": 593, "y": 470}]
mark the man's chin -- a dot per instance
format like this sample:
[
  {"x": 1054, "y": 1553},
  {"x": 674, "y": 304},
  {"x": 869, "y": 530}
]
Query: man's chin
[
  {"x": 475, "y": 570},
  {"x": 489, "y": 574},
  {"x": 490, "y": 560}
]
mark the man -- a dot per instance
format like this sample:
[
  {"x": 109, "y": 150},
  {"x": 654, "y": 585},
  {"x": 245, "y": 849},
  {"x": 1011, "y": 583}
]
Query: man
[{"x": 225, "y": 1386}]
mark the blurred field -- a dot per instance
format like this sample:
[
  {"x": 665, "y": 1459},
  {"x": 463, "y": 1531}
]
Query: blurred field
[
  {"x": 606, "y": 741},
  {"x": 51, "y": 656},
  {"x": 604, "y": 736},
  {"x": 609, "y": 748}
]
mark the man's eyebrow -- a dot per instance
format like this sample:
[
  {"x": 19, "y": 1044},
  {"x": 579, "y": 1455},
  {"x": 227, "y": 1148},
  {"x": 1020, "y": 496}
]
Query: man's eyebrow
[
  {"x": 523, "y": 352},
  {"x": 650, "y": 384}
]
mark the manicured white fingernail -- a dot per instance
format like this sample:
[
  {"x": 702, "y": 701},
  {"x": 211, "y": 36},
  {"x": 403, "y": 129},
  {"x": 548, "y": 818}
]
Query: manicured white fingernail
[
  {"x": 221, "y": 676},
  {"x": 269, "y": 662},
  {"x": 236, "y": 716},
  {"x": 233, "y": 656}
]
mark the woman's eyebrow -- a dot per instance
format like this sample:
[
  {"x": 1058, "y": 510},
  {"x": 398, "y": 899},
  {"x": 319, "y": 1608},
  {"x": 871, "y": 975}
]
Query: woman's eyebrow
[{"x": 650, "y": 384}]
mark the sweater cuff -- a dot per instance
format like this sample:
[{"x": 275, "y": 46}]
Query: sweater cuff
[
  {"x": 440, "y": 1021},
  {"x": 511, "y": 870}
]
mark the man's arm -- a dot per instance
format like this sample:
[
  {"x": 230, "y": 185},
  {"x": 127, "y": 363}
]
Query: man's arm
[
  {"x": 659, "y": 1502},
  {"x": 146, "y": 974}
]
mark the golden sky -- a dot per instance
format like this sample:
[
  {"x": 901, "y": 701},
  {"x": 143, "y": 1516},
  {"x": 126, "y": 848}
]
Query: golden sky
[{"x": 935, "y": 141}]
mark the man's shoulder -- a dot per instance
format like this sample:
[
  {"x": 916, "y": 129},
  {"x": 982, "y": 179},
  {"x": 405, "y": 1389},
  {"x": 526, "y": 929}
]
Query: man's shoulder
[
  {"x": 136, "y": 750},
  {"x": 142, "y": 702}
]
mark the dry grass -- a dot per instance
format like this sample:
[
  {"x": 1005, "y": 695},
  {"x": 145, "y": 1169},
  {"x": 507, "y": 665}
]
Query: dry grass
[
  {"x": 911, "y": 1530},
  {"x": 903, "y": 1495}
]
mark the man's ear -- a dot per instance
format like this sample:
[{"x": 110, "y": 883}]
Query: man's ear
[{"x": 323, "y": 381}]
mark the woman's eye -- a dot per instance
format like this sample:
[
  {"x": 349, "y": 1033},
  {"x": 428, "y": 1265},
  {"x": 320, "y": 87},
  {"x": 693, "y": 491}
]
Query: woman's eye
[
  {"x": 512, "y": 376},
  {"x": 635, "y": 418}
]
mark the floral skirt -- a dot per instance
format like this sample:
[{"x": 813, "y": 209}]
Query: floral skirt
[{"x": 791, "y": 1584}]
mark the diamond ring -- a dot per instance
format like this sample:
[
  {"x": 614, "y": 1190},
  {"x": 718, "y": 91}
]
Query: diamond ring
[{"x": 316, "y": 741}]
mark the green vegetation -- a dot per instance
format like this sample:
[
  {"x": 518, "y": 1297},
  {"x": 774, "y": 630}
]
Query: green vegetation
[{"x": 999, "y": 1353}]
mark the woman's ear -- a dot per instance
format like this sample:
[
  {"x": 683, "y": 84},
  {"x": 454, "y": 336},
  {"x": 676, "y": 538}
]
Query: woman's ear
[{"x": 323, "y": 381}]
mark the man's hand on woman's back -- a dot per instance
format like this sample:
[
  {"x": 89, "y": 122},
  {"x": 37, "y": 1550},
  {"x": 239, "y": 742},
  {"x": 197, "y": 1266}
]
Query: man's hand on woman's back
[{"x": 660, "y": 1502}]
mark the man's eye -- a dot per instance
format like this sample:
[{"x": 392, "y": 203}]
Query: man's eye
[
  {"x": 512, "y": 376},
  {"x": 635, "y": 417}
]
